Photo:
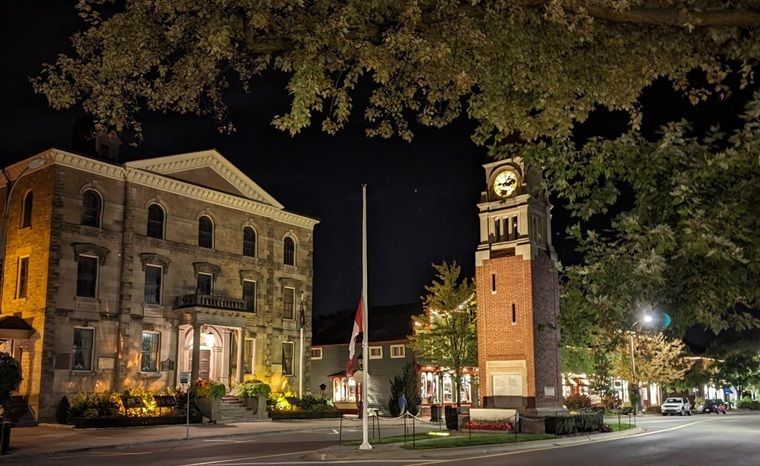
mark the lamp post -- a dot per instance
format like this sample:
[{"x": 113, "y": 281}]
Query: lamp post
[{"x": 647, "y": 319}]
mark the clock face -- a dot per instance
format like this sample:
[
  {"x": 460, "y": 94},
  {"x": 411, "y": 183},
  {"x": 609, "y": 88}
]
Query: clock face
[{"x": 505, "y": 183}]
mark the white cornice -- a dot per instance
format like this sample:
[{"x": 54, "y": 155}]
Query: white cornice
[
  {"x": 163, "y": 183},
  {"x": 211, "y": 159}
]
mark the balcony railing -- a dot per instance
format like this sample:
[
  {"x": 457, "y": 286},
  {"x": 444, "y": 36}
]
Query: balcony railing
[{"x": 212, "y": 301}]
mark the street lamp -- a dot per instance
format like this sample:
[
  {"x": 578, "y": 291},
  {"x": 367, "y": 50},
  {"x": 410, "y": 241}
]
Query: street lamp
[{"x": 647, "y": 319}]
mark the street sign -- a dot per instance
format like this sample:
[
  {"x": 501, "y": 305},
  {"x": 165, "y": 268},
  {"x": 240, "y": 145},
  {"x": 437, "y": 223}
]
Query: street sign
[
  {"x": 726, "y": 390},
  {"x": 184, "y": 377}
]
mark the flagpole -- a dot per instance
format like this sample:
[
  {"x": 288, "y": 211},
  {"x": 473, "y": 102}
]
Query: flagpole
[{"x": 365, "y": 334}]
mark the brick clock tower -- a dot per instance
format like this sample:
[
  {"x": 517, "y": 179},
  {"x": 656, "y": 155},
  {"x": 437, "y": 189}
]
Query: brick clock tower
[{"x": 517, "y": 294}]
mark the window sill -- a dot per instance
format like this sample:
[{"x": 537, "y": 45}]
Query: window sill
[
  {"x": 82, "y": 373},
  {"x": 87, "y": 299},
  {"x": 149, "y": 375}
]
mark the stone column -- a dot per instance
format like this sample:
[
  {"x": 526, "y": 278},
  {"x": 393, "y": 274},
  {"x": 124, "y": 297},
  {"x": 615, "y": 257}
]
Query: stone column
[
  {"x": 241, "y": 340},
  {"x": 196, "y": 352},
  {"x": 226, "y": 376}
]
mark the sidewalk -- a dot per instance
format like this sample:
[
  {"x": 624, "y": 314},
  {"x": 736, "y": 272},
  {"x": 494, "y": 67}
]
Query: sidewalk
[{"x": 51, "y": 439}]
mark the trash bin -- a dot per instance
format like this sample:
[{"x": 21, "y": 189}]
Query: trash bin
[
  {"x": 452, "y": 417},
  {"x": 435, "y": 413},
  {"x": 5, "y": 437}
]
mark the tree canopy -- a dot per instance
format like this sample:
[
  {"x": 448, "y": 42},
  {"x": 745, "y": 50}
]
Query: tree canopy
[{"x": 525, "y": 71}]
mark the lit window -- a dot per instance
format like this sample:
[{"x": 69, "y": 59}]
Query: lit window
[
  {"x": 316, "y": 353},
  {"x": 81, "y": 352},
  {"x": 87, "y": 276},
  {"x": 156, "y": 221},
  {"x": 91, "y": 203},
  {"x": 287, "y": 357},
  {"x": 153, "y": 274},
  {"x": 376, "y": 352},
  {"x": 289, "y": 247},
  {"x": 249, "y": 295},
  {"x": 150, "y": 347},
  {"x": 26, "y": 213},
  {"x": 205, "y": 232},
  {"x": 398, "y": 351},
  {"x": 204, "y": 283},
  {"x": 249, "y": 242},
  {"x": 22, "y": 279},
  {"x": 288, "y": 302}
]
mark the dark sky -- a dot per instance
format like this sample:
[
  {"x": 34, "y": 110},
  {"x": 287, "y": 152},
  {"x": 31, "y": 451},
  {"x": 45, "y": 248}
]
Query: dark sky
[{"x": 421, "y": 195}]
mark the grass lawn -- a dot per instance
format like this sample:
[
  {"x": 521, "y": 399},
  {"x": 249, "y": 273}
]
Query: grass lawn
[
  {"x": 623, "y": 426},
  {"x": 393, "y": 439},
  {"x": 477, "y": 439}
]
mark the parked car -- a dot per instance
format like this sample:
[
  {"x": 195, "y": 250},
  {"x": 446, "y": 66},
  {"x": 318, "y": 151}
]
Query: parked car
[
  {"x": 676, "y": 405},
  {"x": 714, "y": 406}
]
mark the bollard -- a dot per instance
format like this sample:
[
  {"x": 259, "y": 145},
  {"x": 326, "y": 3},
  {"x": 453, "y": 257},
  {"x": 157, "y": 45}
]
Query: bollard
[{"x": 413, "y": 434}]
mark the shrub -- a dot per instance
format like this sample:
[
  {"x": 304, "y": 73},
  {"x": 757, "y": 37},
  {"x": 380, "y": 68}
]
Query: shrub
[
  {"x": 311, "y": 403},
  {"x": 251, "y": 388},
  {"x": 94, "y": 405},
  {"x": 745, "y": 403},
  {"x": 577, "y": 402},
  {"x": 561, "y": 425},
  {"x": 204, "y": 388},
  {"x": 655, "y": 409},
  {"x": 10, "y": 377},
  {"x": 62, "y": 411}
]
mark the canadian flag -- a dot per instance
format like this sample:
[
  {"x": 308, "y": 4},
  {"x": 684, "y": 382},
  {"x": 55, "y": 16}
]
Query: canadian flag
[{"x": 356, "y": 335}]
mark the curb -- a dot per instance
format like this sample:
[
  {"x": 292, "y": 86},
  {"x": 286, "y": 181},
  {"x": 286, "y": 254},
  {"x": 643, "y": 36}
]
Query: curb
[{"x": 328, "y": 454}]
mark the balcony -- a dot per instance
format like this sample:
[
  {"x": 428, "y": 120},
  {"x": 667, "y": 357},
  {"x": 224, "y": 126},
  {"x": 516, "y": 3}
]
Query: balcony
[{"x": 212, "y": 302}]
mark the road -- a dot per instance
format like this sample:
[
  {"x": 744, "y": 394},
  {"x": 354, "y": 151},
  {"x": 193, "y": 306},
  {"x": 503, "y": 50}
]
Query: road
[{"x": 698, "y": 440}]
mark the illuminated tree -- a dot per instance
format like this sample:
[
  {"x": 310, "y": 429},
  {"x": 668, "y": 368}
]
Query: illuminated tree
[{"x": 446, "y": 335}]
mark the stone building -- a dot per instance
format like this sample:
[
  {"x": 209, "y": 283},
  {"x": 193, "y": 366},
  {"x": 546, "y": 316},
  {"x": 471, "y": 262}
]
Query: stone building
[{"x": 129, "y": 274}]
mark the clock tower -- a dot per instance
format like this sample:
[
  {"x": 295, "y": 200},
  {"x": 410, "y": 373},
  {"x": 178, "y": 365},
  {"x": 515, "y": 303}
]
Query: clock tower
[{"x": 517, "y": 293}]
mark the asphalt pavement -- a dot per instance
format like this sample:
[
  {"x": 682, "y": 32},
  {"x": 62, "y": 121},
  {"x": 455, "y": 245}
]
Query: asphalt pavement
[{"x": 696, "y": 440}]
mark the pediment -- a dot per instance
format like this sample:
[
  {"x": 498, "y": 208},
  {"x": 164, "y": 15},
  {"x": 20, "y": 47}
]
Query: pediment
[{"x": 209, "y": 169}]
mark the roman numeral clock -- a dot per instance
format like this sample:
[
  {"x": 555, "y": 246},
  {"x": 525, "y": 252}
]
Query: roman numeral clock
[{"x": 517, "y": 293}]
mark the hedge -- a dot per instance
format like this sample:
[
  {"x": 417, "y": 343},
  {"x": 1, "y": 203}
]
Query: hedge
[
  {"x": 753, "y": 405},
  {"x": 562, "y": 425},
  {"x": 123, "y": 421}
]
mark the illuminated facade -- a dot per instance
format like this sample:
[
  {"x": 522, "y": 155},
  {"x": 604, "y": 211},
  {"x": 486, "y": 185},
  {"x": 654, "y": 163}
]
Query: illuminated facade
[{"x": 129, "y": 274}]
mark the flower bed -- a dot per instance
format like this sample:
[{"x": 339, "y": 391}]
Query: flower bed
[{"x": 488, "y": 425}]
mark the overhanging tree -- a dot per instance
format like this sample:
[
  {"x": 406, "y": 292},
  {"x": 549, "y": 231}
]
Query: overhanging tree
[{"x": 445, "y": 335}]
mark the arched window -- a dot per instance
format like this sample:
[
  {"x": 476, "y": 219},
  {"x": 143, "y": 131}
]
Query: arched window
[
  {"x": 205, "y": 232},
  {"x": 91, "y": 208},
  {"x": 249, "y": 242},
  {"x": 26, "y": 213},
  {"x": 156, "y": 221},
  {"x": 289, "y": 246}
]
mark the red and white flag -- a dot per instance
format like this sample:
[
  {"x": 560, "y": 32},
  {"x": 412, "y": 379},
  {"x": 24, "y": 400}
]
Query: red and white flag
[{"x": 356, "y": 335}]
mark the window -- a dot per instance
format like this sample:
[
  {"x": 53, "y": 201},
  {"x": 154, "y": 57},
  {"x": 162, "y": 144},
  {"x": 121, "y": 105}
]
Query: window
[
  {"x": 249, "y": 242},
  {"x": 81, "y": 353},
  {"x": 22, "y": 279},
  {"x": 376, "y": 352},
  {"x": 156, "y": 221},
  {"x": 26, "y": 212},
  {"x": 204, "y": 283},
  {"x": 153, "y": 275},
  {"x": 493, "y": 283},
  {"x": 248, "y": 348},
  {"x": 91, "y": 203},
  {"x": 288, "y": 302},
  {"x": 289, "y": 247},
  {"x": 345, "y": 389},
  {"x": 150, "y": 347},
  {"x": 316, "y": 353},
  {"x": 249, "y": 294},
  {"x": 514, "y": 314},
  {"x": 287, "y": 357},
  {"x": 87, "y": 276},
  {"x": 205, "y": 232},
  {"x": 398, "y": 351}
]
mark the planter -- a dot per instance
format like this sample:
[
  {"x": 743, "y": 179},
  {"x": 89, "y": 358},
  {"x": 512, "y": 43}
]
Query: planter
[
  {"x": 210, "y": 407},
  {"x": 257, "y": 405}
]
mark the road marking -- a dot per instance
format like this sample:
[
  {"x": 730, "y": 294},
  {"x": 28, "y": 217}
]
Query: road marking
[
  {"x": 104, "y": 454},
  {"x": 555, "y": 447},
  {"x": 249, "y": 458},
  {"x": 222, "y": 440},
  {"x": 377, "y": 460}
]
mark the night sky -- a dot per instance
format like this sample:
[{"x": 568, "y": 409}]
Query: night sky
[{"x": 421, "y": 196}]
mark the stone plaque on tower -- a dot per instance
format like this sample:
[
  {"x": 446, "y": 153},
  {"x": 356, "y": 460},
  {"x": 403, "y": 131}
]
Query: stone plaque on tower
[{"x": 517, "y": 293}]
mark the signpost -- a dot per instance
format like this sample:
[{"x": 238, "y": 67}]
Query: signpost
[{"x": 184, "y": 379}]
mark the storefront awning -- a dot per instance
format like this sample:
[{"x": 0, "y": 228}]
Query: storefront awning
[{"x": 15, "y": 327}]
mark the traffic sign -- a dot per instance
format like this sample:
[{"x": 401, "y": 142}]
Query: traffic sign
[{"x": 184, "y": 377}]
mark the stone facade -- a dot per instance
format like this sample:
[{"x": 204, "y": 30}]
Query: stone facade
[
  {"x": 121, "y": 317},
  {"x": 517, "y": 295}
]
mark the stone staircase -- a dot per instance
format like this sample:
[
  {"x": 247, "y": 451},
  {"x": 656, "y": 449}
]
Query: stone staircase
[
  {"x": 20, "y": 413},
  {"x": 233, "y": 411}
]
